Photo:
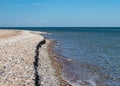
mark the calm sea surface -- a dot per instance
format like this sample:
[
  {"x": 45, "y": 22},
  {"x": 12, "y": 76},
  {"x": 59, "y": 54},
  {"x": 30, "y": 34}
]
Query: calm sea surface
[{"x": 89, "y": 56}]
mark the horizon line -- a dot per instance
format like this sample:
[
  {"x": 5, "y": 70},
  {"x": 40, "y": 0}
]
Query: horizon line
[{"x": 57, "y": 27}]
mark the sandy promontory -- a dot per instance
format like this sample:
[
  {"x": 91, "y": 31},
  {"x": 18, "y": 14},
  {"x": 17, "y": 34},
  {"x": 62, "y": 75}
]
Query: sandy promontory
[{"x": 24, "y": 60}]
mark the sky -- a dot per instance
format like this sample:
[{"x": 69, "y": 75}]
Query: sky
[{"x": 59, "y": 13}]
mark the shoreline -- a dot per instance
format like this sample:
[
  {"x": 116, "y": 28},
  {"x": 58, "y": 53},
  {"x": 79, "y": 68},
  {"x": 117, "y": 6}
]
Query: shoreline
[
  {"x": 56, "y": 64},
  {"x": 25, "y": 60}
]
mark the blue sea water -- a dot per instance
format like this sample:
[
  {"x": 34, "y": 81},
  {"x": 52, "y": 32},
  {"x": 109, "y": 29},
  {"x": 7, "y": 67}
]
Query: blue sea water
[
  {"x": 93, "y": 55},
  {"x": 89, "y": 56}
]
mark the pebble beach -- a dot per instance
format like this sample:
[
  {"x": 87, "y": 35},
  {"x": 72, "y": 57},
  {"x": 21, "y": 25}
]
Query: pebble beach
[{"x": 24, "y": 60}]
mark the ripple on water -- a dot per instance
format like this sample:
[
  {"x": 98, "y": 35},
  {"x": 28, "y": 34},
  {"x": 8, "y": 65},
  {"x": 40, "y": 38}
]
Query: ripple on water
[{"x": 85, "y": 74}]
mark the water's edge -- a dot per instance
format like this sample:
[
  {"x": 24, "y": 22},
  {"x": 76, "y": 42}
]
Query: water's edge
[
  {"x": 64, "y": 67},
  {"x": 56, "y": 65}
]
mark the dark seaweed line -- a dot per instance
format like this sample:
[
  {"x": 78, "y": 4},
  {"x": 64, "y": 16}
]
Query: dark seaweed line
[{"x": 36, "y": 61}]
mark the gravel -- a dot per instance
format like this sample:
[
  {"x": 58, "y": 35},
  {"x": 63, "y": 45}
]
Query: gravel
[{"x": 18, "y": 61}]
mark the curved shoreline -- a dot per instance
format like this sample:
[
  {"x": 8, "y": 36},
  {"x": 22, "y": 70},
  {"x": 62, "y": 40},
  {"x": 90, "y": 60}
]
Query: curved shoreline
[
  {"x": 56, "y": 64},
  {"x": 24, "y": 60}
]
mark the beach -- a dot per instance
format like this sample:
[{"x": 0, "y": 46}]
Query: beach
[
  {"x": 25, "y": 60},
  {"x": 57, "y": 57}
]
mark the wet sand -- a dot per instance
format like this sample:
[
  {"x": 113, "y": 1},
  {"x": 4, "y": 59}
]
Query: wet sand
[{"x": 56, "y": 65}]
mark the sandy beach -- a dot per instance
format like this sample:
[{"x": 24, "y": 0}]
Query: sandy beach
[{"x": 24, "y": 60}]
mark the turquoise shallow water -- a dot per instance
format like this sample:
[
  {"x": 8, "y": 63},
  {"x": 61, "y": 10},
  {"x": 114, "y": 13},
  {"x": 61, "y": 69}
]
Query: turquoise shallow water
[{"x": 89, "y": 56}]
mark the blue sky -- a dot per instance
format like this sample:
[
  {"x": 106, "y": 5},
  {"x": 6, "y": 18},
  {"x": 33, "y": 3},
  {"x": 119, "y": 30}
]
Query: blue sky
[{"x": 58, "y": 13}]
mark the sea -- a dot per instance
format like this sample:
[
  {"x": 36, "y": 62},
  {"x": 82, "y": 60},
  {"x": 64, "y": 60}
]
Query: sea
[{"x": 89, "y": 56}]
